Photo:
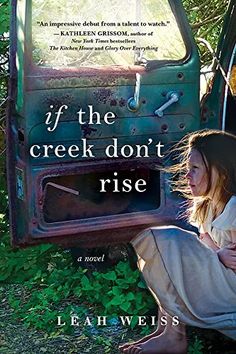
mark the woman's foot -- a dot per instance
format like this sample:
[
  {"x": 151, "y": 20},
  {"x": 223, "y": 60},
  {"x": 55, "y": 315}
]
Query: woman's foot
[
  {"x": 157, "y": 332},
  {"x": 166, "y": 343}
]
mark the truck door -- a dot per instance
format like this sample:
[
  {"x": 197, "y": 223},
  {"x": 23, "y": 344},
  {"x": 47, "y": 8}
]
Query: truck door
[{"x": 97, "y": 96}]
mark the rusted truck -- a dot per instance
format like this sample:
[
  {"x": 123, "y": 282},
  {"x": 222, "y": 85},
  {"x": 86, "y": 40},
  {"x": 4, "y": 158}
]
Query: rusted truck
[{"x": 88, "y": 124}]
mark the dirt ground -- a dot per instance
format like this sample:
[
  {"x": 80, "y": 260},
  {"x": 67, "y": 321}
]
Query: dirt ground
[{"x": 15, "y": 338}]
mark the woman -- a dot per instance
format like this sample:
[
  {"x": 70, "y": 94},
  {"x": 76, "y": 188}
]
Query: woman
[{"x": 191, "y": 278}]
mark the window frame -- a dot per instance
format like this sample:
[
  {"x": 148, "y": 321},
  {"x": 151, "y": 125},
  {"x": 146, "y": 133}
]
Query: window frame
[{"x": 182, "y": 23}]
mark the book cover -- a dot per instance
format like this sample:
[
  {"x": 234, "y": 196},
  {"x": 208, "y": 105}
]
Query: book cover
[{"x": 92, "y": 98}]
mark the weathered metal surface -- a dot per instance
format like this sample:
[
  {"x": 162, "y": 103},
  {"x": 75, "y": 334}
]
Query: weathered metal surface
[{"x": 47, "y": 206}]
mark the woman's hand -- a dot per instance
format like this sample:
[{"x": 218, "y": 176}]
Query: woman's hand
[{"x": 227, "y": 256}]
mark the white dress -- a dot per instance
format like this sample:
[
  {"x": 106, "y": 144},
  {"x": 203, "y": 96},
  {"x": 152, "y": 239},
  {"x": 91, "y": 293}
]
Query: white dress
[{"x": 186, "y": 277}]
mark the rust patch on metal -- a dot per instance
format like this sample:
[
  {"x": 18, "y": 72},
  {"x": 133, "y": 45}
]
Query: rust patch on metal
[
  {"x": 87, "y": 130},
  {"x": 49, "y": 78},
  {"x": 122, "y": 102},
  {"x": 56, "y": 101},
  {"x": 113, "y": 102},
  {"x": 103, "y": 71},
  {"x": 103, "y": 95}
]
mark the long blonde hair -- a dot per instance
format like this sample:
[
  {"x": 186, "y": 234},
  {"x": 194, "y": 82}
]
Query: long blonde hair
[{"x": 218, "y": 150}]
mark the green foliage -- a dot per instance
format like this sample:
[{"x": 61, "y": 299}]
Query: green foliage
[
  {"x": 50, "y": 281},
  {"x": 18, "y": 266},
  {"x": 4, "y": 46},
  {"x": 4, "y": 24},
  {"x": 105, "y": 342},
  {"x": 196, "y": 347},
  {"x": 206, "y": 18}
]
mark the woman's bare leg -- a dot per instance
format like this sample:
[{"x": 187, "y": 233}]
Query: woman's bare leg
[
  {"x": 171, "y": 341},
  {"x": 160, "y": 328}
]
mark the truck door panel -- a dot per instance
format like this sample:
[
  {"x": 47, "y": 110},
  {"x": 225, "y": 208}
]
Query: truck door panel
[{"x": 58, "y": 199}]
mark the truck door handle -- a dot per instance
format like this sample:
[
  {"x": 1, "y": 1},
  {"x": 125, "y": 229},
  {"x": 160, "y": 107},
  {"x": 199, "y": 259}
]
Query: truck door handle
[
  {"x": 134, "y": 102},
  {"x": 172, "y": 97}
]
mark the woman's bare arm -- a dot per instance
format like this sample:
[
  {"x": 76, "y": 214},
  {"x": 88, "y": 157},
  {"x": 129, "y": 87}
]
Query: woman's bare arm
[
  {"x": 207, "y": 240},
  {"x": 226, "y": 255}
]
